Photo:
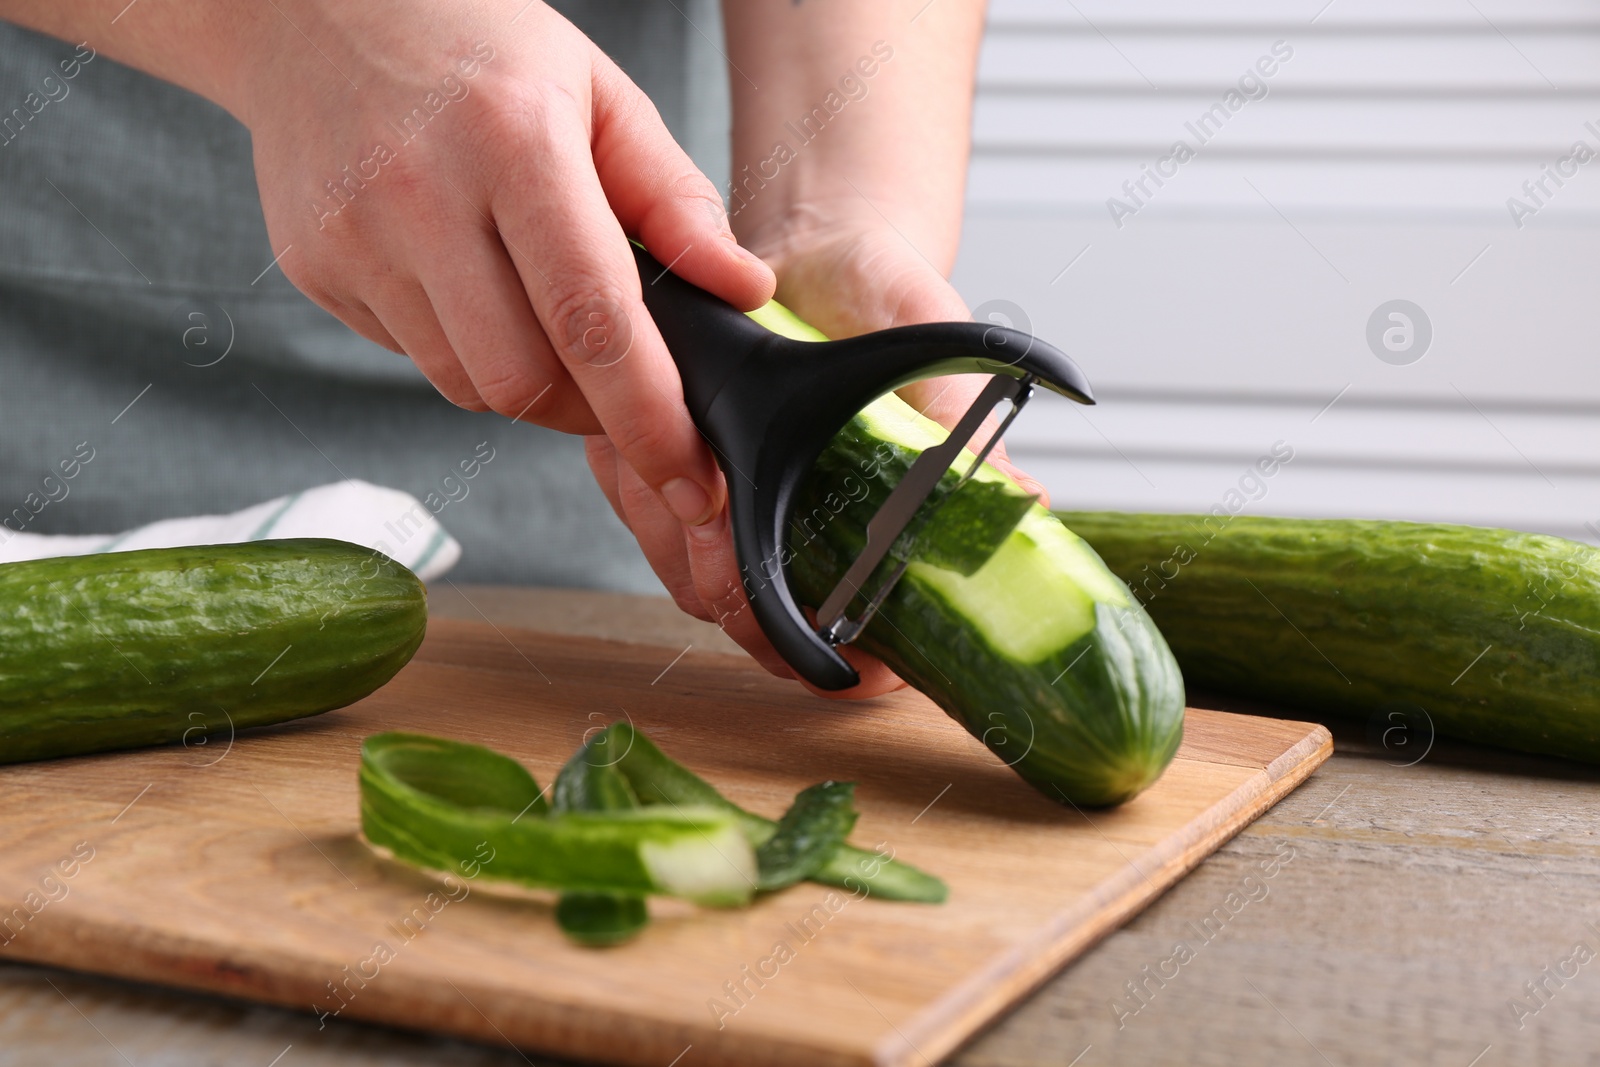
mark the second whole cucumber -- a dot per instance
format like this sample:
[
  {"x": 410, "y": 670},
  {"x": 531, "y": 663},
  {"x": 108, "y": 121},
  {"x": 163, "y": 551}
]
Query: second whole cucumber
[{"x": 1493, "y": 634}]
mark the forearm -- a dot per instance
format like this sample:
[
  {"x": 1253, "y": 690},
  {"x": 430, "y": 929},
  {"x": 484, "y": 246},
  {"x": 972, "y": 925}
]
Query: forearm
[
  {"x": 198, "y": 46},
  {"x": 862, "y": 109}
]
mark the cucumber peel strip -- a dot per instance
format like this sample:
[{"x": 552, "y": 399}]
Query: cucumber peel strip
[
  {"x": 443, "y": 804},
  {"x": 808, "y": 835},
  {"x": 659, "y": 780}
]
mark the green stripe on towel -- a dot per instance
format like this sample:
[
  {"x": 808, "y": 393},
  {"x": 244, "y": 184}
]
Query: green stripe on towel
[{"x": 272, "y": 520}]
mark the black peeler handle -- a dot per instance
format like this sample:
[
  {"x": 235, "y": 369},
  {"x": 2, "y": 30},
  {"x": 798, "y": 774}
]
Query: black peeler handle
[{"x": 769, "y": 405}]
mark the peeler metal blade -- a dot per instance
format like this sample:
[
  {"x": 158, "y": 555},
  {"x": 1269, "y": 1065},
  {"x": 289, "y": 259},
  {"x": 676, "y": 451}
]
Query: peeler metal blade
[{"x": 905, "y": 506}]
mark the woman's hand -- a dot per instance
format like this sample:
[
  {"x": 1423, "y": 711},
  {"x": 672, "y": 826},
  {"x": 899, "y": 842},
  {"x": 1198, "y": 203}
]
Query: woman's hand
[
  {"x": 853, "y": 274},
  {"x": 455, "y": 182}
]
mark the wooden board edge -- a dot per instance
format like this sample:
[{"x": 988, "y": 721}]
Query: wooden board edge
[
  {"x": 571, "y": 1031},
  {"x": 960, "y": 1015},
  {"x": 1297, "y": 763},
  {"x": 166, "y": 962}
]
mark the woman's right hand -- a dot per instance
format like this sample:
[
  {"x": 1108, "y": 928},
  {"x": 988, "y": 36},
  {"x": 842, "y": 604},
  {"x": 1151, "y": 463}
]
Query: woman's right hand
[{"x": 455, "y": 180}]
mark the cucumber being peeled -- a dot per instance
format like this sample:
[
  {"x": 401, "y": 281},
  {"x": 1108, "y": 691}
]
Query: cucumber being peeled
[{"x": 1040, "y": 651}]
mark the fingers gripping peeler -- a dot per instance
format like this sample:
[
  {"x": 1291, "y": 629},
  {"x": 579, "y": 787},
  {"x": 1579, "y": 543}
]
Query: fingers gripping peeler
[{"x": 768, "y": 405}]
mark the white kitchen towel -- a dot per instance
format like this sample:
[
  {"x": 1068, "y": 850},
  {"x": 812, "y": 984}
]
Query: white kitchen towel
[{"x": 388, "y": 520}]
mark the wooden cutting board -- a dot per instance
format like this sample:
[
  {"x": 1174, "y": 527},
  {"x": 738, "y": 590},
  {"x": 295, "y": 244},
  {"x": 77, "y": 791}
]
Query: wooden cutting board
[{"x": 238, "y": 868}]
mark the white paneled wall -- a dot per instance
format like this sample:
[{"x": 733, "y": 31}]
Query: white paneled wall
[{"x": 1230, "y": 306}]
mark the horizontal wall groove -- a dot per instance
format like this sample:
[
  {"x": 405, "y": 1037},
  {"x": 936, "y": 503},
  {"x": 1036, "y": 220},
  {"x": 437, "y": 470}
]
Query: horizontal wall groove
[
  {"x": 1206, "y": 91},
  {"x": 1271, "y": 151},
  {"x": 1292, "y": 30},
  {"x": 1400, "y": 466},
  {"x": 1314, "y": 402}
]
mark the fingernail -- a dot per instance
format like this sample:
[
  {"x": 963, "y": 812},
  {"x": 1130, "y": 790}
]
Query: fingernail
[
  {"x": 690, "y": 503},
  {"x": 749, "y": 255},
  {"x": 712, "y": 529}
]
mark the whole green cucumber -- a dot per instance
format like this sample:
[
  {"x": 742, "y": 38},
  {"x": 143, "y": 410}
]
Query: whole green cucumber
[
  {"x": 1494, "y": 634},
  {"x": 1040, "y": 651},
  {"x": 161, "y": 645}
]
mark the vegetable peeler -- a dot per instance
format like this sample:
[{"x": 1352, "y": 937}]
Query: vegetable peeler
[{"x": 768, "y": 405}]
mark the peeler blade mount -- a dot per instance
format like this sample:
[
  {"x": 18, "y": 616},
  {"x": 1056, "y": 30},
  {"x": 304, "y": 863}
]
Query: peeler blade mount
[
  {"x": 904, "y": 506},
  {"x": 768, "y": 405}
]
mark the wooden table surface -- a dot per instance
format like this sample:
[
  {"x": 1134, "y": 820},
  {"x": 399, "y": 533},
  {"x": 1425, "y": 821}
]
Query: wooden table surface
[{"x": 1436, "y": 913}]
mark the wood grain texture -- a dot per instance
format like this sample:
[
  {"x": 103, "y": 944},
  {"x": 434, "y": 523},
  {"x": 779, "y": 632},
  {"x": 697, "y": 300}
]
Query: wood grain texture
[{"x": 240, "y": 870}]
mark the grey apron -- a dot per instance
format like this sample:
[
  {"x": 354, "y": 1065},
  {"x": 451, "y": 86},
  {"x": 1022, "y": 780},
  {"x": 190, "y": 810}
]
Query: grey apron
[{"x": 133, "y": 255}]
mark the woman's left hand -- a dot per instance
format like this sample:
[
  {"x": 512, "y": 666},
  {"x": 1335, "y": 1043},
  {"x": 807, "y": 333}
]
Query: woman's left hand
[{"x": 852, "y": 278}]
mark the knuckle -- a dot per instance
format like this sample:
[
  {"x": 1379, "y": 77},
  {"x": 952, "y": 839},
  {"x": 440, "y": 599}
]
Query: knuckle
[
  {"x": 589, "y": 325},
  {"x": 516, "y": 395},
  {"x": 693, "y": 185},
  {"x": 449, "y": 380},
  {"x": 601, "y": 454},
  {"x": 695, "y": 192},
  {"x": 465, "y": 399},
  {"x": 511, "y": 127},
  {"x": 645, "y": 438},
  {"x": 307, "y": 276},
  {"x": 511, "y": 119},
  {"x": 682, "y": 198}
]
